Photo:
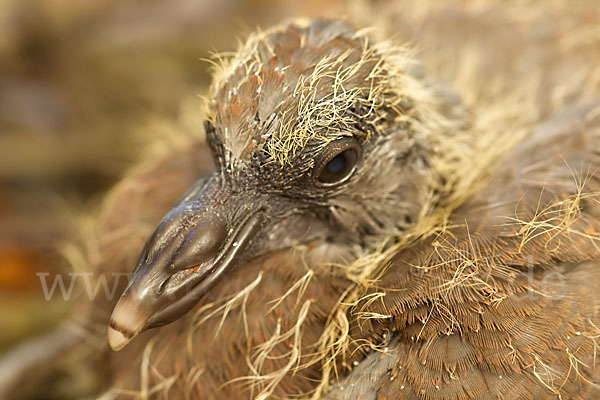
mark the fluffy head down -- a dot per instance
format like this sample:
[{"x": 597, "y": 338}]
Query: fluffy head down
[{"x": 292, "y": 91}]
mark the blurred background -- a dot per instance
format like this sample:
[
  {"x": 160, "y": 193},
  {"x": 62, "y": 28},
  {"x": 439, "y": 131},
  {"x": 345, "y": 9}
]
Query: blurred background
[{"x": 84, "y": 87}]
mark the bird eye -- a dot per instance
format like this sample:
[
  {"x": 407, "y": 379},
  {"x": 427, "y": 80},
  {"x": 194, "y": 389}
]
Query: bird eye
[{"x": 338, "y": 164}]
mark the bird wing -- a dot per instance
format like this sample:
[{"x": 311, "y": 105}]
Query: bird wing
[{"x": 502, "y": 303}]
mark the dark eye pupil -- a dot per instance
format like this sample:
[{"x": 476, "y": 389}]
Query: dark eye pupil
[
  {"x": 339, "y": 167},
  {"x": 337, "y": 164}
]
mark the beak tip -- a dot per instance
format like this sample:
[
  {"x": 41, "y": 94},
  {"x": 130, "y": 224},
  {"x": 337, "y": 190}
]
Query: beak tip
[
  {"x": 117, "y": 340},
  {"x": 126, "y": 322}
]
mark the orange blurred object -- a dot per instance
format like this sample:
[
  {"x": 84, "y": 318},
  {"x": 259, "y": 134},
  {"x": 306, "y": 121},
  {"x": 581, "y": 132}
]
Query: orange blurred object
[{"x": 17, "y": 270}]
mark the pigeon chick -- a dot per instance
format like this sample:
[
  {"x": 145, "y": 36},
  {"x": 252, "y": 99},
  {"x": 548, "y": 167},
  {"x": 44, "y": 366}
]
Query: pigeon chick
[
  {"x": 353, "y": 241},
  {"x": 336, "y": 175}
]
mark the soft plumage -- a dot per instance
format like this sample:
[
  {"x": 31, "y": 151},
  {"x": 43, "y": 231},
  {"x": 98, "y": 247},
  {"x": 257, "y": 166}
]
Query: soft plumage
[{"x": 457, "y": 260}]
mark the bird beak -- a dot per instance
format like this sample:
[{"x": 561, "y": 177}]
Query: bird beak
[{"x": 195, "y": 244}]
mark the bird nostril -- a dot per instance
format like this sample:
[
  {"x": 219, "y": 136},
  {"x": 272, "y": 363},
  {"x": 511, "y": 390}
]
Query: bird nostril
[{"x": 202, "y": 244}]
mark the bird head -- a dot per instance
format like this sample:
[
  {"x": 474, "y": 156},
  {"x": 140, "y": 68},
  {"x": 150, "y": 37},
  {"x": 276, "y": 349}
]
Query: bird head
[{"x": 317, "y": 134}]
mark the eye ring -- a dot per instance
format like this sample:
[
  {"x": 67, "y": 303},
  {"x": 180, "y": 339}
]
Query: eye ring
[{"x": 337, "y": 163}]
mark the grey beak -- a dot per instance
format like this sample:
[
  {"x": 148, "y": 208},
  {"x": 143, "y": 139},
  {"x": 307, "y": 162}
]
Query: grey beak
[{"x": 188, "y": 253}]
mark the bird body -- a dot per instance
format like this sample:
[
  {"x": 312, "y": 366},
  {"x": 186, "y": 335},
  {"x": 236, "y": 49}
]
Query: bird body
[
  {"x": 354, "y": 241},
  {"x": 495, "y": 299},
  {"x": 501, "y": 304}
]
